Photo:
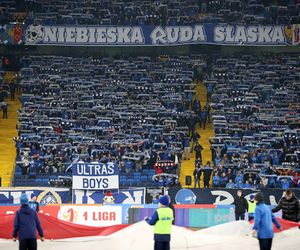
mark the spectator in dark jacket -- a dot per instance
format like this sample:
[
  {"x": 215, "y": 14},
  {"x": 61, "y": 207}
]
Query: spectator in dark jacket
[
  {"x": 4, "y": 110},
  {"x": 241, "y": 206},
  {"x": 197, "y": 175},
  {"x": 290, "y": 206},
  {"x": 25, "y": 225},
  {"x": 207, "y": 171},
  {"x": 195, "y": 138},
  {"x": 12, "y": 87},
  {"x": 191, "y": 123},
  {"x": 198, "y": 148}
]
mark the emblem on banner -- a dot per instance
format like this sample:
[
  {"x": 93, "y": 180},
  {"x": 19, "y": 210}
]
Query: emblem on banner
[
  {"x": 185, "y": 196},
  {"x": 34, "y": 34},
  {"x": 49, "y": 197},
  {"x": 70, "y": 215}
]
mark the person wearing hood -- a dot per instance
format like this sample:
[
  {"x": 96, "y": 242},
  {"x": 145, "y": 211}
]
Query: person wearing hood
[
  {"x": 26, "y": 223},
  {"x": 263, "y": 228},
  {"x": 162, "y": 221},
  {"x": 290, "y": 206},
  {"x": 251, "y": 207},
  {"x": 241, "y": 206}
]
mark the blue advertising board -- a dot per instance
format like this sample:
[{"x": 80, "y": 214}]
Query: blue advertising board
[
  {"x": 222, "y": 196},
  {"x": 45, "y": 196}
]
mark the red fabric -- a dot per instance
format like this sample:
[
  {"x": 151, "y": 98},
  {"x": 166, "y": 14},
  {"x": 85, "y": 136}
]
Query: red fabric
[
  {"x": 58, "y": 229},
  {"x": 285, "y": 224}
]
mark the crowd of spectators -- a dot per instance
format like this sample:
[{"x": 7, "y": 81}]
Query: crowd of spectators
[
  {"x": 157, "y": 12},
  {"x": 133, "y": 112},
  {"x": 249, "y": 12},
  {"x": 256, "y": 115}
]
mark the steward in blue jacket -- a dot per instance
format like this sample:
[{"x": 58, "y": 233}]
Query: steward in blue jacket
[
  {"x": 26, "y": 224},
  {"x": 263, "y": 218}
]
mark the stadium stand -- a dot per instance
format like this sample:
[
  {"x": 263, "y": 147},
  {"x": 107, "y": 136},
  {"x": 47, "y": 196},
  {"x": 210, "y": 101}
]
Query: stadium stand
[
  {"x": 256, "y": 120},
  {"x": 158, "y": 12},
  {"x": 115, "y": 103},
  {"x": 133, "y": 112},
  {"x": 116, "y": 12}
]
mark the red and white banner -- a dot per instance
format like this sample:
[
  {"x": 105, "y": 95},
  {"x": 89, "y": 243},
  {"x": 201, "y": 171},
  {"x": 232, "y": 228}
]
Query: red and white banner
[
  {"x": 96, "y": 216},
  {"x": 57, "y": 229},
  {"x": 88, "y": 215}
]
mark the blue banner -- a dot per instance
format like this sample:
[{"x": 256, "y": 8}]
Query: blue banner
[
  {"x": 95, "y": 176},
  {"x": 187, "y": 217},
  {"x": 45, "y": 196},
  {"x": 222, "y": 34},
  {"x": 135, "y": 196},
  {"x": 222, "y": 196}
]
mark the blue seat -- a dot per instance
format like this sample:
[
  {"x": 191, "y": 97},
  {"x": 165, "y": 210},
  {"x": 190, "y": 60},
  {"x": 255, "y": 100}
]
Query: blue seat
[
  {"x": 129, "y": 182},
  {"x": 151, "y": 172},
  {"x": 137, "y": 174},
  {"x": 123, "y": 179},
  {"x": 18, "y": 174},
  {"x": 18, "y": 169},
  {"x": 145, "y": 171},
  {"x": 144, "y": 178},
  {"x": 150, "y": 178}
]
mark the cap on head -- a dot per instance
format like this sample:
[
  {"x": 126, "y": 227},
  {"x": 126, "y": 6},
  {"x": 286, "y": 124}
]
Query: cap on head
[
  {"x": 23, "y": 199},
  {"x": 164, "y": 200},
  {"x": 32, "y": 195},
  {"x": 251, "y": 197}
]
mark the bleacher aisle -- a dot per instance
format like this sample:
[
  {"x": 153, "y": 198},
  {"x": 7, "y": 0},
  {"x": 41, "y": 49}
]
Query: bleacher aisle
[
  {"x": 7, "y": 132},
  {"x": 188, "y": 166}
]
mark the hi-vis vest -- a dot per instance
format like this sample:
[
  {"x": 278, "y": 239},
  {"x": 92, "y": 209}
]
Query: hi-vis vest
[
  {"x": 251, "y": 207},
  {"x": 164, "y": 223}
]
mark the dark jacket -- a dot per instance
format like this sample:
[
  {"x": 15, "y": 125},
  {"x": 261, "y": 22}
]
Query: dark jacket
[
  {"x": 290, "y": 209},
  {"x": 207, "y": 171},
  {"x": 241, "y": 205},
  {"x": 198, "y": 148},
  {"x": 197, "y": 173},
  {"x": 26, "y": 223}
]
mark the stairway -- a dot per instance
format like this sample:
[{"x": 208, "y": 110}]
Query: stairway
[
  {"x": 7, "y": 132},
  {"x": 188, "y": 166}
]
